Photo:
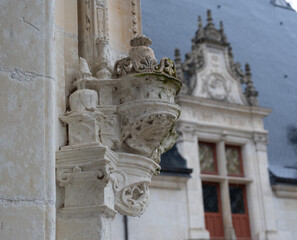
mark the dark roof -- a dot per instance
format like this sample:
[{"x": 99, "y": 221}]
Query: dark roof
[
  {"x": 261, "y": 34},
  {"x": 172, "y": 163}
]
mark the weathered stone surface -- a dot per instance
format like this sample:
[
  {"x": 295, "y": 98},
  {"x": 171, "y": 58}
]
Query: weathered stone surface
[
  {"x": 26, "y": 220},
  {"x": 25, "y": 30},
  {"x": 24, "y": 116}
]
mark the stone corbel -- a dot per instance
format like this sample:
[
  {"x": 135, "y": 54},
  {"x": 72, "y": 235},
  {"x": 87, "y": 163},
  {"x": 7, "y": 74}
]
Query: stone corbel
[{"x": 117, "y": 129}]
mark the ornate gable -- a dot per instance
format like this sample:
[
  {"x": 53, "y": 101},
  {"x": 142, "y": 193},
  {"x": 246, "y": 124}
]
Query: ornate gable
[{"x": 209, "y": 71}]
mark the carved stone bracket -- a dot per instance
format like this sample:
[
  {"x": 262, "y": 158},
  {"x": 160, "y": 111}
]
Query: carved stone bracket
[
  {"x": 117, "y": 130},
  {"x": 133, "y": 198}
]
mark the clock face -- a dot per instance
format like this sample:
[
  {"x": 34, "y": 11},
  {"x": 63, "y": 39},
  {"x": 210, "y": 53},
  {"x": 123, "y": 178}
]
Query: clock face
[{"x": 216, "y": 87}]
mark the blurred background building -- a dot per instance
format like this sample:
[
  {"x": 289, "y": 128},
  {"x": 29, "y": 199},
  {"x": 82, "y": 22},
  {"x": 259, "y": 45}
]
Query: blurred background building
[{"x": 228, "y": 176}]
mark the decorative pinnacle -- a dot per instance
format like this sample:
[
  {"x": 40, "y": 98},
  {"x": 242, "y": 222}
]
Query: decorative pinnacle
[
  {"x": 221, "y": 27},
  {"x": 140, "y": 40},
  {"x": 177, "y": 55},
  {"x": 199, "y": 22},
  {"x": 209, "y": 18},
  {"x": 230, "y": 51},
  {"x": 248, "y": 71}
]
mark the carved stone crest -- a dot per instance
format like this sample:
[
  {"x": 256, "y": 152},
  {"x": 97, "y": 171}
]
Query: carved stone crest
[{"x": 215, "y": 86}]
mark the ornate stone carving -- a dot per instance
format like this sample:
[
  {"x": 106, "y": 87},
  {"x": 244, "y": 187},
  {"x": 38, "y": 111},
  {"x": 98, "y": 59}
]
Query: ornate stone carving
[
  {"x": 145, "y": 135},
  {"x": 133, "y": 200},
  {"x": 250, "y": 91},
  {"x": 94, "y": 36},
  {"x": 102, "y": 19},
  {"x": 142, "y": 60},
  {"x": 134, "y": 115},
  {"x": 134, "y": 16},
  {"x": 215, "y": 86}
]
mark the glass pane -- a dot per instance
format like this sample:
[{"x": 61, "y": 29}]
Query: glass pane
[
  {"x": 233, "y": 161},
  {"x": 206, "y": 157},
  {"x": 236, "y": 199},
  {"x": 210, "y": 198}
]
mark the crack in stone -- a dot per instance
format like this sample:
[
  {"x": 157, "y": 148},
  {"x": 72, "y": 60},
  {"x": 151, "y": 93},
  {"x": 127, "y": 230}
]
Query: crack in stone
[
  {"x": 20, "y": 75},
  {"x": 30, "y": 24}
]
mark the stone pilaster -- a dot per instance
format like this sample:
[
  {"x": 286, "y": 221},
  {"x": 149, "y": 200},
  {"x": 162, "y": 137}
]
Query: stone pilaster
[
  {"x": 188, "y": 148},
  {"x": 261, "y": 141}
]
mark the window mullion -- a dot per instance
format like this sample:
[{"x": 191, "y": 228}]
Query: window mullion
[{"x": 224, "y": 187}]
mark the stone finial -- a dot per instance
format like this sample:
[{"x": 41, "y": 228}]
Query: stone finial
[
  {"x": 199, "y": 23},
  {"x": 84, "y": 70},
  {"x": 209, "y": 18},
  {"x": 177, "y": 60},
  {"x": 230, "y": 52},
  {"x": 83, "y": 73},
  {"x": 250, "y": 91},
  {"x": 142, "y": 59},
  {"x": 221, "y": 27},
  {"x": 248, "y": 71},
  {"x": 179, "y": 70},
  {"x": 177, "y": 55},
  {"x": 140, "y": 40}
]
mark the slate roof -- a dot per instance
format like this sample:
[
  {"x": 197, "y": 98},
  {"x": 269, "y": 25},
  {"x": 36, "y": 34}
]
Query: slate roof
[{"x": 261, "y": 34}]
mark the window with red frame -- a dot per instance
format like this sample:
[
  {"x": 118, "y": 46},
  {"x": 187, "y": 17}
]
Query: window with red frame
[
  {"x": 239, "y": 210},
  {"x": 207, "y": 158},
  {"x": 234, "y": 161},
  {"x": 213, "y": 210}
]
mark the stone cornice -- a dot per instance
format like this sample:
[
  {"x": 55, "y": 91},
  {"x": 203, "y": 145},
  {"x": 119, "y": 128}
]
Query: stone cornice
[
  {"x": 227, "y": 107},
  {"x": 219, "y": 129}
]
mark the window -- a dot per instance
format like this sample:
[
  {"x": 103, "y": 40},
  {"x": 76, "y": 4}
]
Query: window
[
  {"x": 207, "y": 158},
  {"x": 239, "y": 210},
  {"x": 234, "y": 161},
  {"x": 232, "y": 164},
  {"x": 213, "y": 210}
]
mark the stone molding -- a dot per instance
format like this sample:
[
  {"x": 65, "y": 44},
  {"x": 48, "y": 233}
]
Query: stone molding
[{"x": 169, "y": 182}]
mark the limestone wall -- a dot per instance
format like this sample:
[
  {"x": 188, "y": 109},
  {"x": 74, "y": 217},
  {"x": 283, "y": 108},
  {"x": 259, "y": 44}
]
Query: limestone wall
[
  {"x": 27, "y": 117},
  {"x": 286, "y": 217}
]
